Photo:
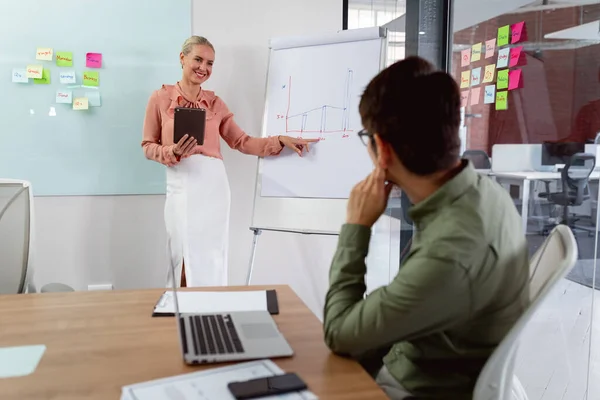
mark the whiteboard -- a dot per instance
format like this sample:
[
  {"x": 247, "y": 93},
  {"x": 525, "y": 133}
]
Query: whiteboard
[
  {"x": 313, "y": 90},
  {"x": 97, "y": 151}
]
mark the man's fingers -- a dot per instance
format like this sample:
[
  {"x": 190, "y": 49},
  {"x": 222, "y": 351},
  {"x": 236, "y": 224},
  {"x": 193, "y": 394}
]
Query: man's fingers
[{"x": 388, "y": 188}]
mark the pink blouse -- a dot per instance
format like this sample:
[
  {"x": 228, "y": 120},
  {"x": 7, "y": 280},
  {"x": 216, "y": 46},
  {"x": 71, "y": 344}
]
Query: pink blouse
[{"x": 158, "y": 127}]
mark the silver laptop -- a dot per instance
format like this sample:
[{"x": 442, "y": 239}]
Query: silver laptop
[{"x": 214, "y": 338}]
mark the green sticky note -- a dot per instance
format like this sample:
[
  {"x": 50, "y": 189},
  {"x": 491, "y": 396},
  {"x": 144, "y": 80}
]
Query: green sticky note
[
  {"x": 45, "y": 79},
  {"x": 502, "y": 81},
  {"x": 92, "y": 78},
  {"x": 503, "y": 35},
  {"x": 64, "y": 59},
  {"x": 502, "y": 100}
]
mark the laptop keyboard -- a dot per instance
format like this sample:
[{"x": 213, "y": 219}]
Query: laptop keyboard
[{"x": 214, "y": 334}]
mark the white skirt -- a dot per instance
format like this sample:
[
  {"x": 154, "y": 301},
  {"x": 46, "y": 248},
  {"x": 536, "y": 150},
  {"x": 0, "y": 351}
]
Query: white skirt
[{"x": 197, "y": 220}]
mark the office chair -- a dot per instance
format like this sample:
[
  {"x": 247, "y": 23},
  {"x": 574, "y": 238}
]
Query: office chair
[
  {"x": 478, "y": 158},
  {"x": 575, "y": 189},
  {"x": 551, "y": 263},
  {"x": 16, "y": 240}
]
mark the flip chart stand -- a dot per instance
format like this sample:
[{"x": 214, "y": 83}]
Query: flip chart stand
[{"x": 257, "y": 232}]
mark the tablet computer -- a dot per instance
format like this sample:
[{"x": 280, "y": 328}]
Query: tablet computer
[{"x": 190, "y": 121}]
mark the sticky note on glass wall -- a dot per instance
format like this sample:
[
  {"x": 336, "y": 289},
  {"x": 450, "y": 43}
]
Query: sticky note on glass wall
[
  {"x": 502, "y": 100},
  {"x": 35, "y": 71},
  {"x": 67, "y": 77},
  {"x": 43, "y": 54},
  {"x": 64, "y": 96},
  {"x": 476, "y": 76},
  {"x": 93, "y": 98},
  {"x": 476, "y": 52},
  {"x": 518, "y": 32},
  {"x": 515, "y": 79},
  {"x": 93, "y": 60},
  {"x": 503, "y": 35},
  {"x": 489, "y": 94},
  {"x": 490, "y": 72},
  {"x": 517, "y": 57},
  {"x": 464, "y": 98},
  {"x": 502, "y": 82},
  {"x": 45, "y": 79},
  {"x": 19, "y": 75},
  {"x": 64, "y": 59},
  {"x": 475, "y": 95},
  {"x": 465, "y": 58},
  {"x": 503, "y": 58},
  {"x": 465, "y": 79},
  {"x": 80, "y": 103},
  {"x": 91, "y": 78},
  {"x": 490, "y": 48}
]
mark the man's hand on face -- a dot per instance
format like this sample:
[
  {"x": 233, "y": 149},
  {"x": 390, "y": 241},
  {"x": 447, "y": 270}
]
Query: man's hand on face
[{"x": 368, "y": 199}]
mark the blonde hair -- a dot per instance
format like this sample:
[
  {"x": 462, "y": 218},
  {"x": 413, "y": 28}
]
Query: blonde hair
[{"x": 194, "y": 41}]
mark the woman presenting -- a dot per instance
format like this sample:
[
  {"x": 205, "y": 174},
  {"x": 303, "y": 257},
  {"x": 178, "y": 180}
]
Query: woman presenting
[{"x": 198, "y": 195}]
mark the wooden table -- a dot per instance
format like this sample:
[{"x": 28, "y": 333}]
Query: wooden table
[{"x": 98, "y": 342}]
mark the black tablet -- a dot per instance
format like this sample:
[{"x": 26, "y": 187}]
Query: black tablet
[{"x": 190, "y": 121}]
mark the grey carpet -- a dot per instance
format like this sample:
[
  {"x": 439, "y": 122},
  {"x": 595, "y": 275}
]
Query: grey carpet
[{"x": 583, "y": 273}]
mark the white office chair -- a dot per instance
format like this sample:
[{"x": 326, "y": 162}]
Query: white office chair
[
  {"x": 16, "y": 240},
  {"x": 548, "y": 266}
]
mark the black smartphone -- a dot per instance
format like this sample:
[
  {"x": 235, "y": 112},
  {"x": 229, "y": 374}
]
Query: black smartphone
[
  {"x": 269, "y": 386},
  {"x": 190, "y": 121}
]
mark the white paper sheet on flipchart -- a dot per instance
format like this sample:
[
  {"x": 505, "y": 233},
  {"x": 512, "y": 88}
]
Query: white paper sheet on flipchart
[
  {"x": 209, "y": 384},
  {"x": 213, "y": 302}
]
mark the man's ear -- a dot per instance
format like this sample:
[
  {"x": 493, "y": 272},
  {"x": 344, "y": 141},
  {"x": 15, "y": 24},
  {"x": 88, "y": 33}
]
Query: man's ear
[{"x": 383, "y": 152}]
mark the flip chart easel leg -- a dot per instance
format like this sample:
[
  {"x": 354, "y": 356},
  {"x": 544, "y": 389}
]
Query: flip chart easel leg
[{"x": 257, "y": 233}]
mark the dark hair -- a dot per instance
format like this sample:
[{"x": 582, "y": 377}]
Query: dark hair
[{"x": 416, "y": 109}]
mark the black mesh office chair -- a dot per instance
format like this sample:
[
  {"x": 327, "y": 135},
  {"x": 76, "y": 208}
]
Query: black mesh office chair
[
  {"x": 478, "y": 158},
  {"x": 574, "y": 181}
]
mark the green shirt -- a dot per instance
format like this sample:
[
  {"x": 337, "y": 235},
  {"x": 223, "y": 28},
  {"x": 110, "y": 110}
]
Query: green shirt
[{"x": 462, "y": 287}]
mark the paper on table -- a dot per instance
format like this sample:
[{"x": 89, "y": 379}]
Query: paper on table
[
  {"x": 209, "y": 384},
  {"x": 213, "y": 302},
  {"x": 20, "y": 361}
]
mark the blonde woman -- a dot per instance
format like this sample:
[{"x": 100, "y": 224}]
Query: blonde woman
[{"x": 198, "y": 195}]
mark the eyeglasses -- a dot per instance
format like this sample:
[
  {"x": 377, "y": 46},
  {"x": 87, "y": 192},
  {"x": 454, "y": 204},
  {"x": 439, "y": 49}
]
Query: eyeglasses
[{"x": 365, "y": 136}]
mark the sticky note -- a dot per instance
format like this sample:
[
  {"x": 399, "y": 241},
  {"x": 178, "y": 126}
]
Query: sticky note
[
  {"x": 465, "y": 58},
  {"x": 45, "y": 79},
  {"x": 476, "y": 52},
  {"x": 489, "y": 94},
  {"x": 518, "y": 32},
  {"x": 517, "y": 57},
  {"x": 465, "y": 79},
  {"x": 476, "y": 76},
  {"x": 19, "y": 75},
  {"x": 93, "y": 60},
  {"x": 91, "y": 78},
  {"x": 490, "y": 48},
  {"x": 475, "y": 95},
  {"x": 64, "y": 58},
  {"x": 464, "y": 98},
  {"x": 44, "y": 54},
  {"x": 20, "y": 361},
  {"x": 35, "y": 71},
  {"x": 64, "y": 96},
  {"x": 67, "y": 77},
  {"x": 490, "y": 72},
  {"x": 502, "y": 100},
  {"x": 502, "y": 82},
  {"x": 80, "y": 103},
  {"x": 93, "y": 98},
  {"x": 503, "y": 58},
  {"x": 515, "y": 80},
  {"x": 503, "y": 35}
]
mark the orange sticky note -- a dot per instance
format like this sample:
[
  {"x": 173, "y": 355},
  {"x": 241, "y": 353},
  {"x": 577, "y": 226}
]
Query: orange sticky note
[
  {"x": 518, "y": 32},
  {"x": 465, "y": 58},
  {"x": 475, "y": 94},
  {"x": 464, "y": 98},
  {"x": 515, "y": 80},
  {"x": 517, "y": 57},
  {"x": 490, "y": 72},
  {"x": 490, "y": 48},
  {"x": 465, "y": 79}
]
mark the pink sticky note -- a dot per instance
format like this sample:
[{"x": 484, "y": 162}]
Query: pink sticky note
[
  {"x": 518, "y": 32},
  {"x": 515, "y": 80},
  {"x": 93, "y": 60},
  {"x": 464, "y": 98},
  {"x": 475, "y": 94},
  {"x": 517, "y": 57},
  {"x": 465, "y": 58},
  {"x": 490, "y": 48}
]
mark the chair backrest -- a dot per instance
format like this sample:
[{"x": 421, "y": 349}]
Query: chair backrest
[
  {"x": 478, "y": 158},
  {"x": 575, "y": 176},
  {"x": 15, "y": 236},
  {"x": 548, "y": 266}
]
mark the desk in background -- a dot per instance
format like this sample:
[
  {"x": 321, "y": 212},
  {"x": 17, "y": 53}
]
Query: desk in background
[{"x": 98, "y": 342}]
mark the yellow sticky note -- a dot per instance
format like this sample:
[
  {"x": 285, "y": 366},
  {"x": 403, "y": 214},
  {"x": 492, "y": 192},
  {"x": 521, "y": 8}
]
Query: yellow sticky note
[
  {"x": 476, "y": 52},
  {"x": 502, "y": 82},
  {"x": 45, "y": 79},
  {"x": 502, "y": 100},
  {"x": 80, "y": 103},
  {"x": 35, "y": 71},
  {"x": 44, "y": 54},
  {"x": 465, "y": 79},
  {"x": 91, "y": 78},
  {"x": 488, "y": 75}
]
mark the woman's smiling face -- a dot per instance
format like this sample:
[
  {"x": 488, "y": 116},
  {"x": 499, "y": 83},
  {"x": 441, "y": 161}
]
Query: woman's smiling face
[{"x": 197, "y": 64}]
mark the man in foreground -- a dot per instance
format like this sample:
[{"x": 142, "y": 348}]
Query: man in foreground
[{"x": 464, "y": 283}]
